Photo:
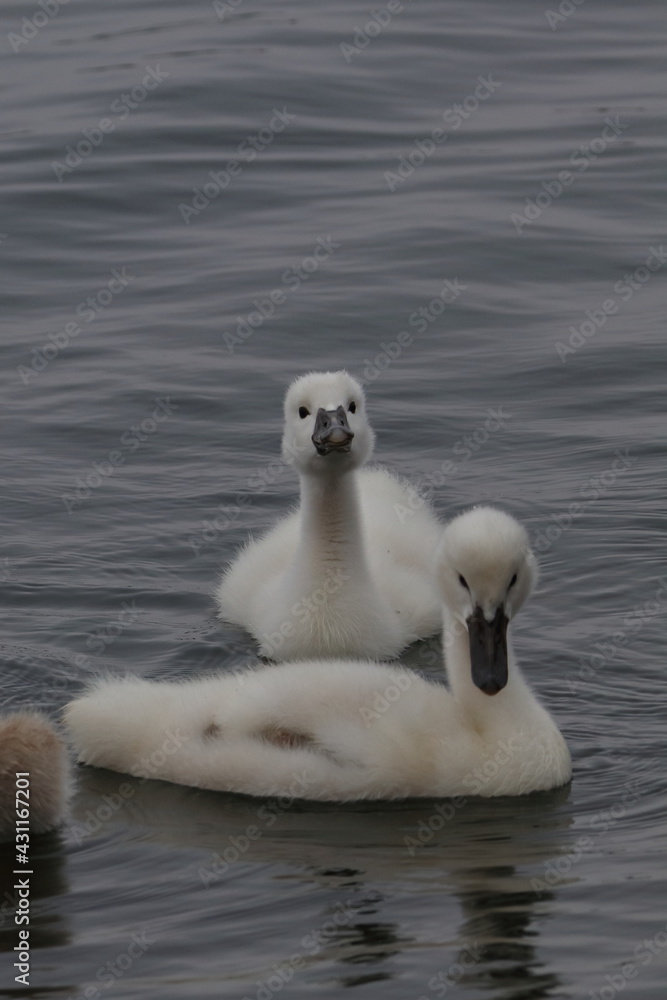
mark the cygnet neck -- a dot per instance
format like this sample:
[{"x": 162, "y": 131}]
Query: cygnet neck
[{"x": 331, "y": 529}]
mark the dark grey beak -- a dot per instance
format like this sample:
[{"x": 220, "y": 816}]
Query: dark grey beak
[
  {"x": 332, "y": 432},
  {"x": 488, "y": 650}
]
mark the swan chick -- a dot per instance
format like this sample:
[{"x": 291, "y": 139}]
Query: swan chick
[
  {"x": 31, "y": 747},
  {"x": 343, "y": 730},
  {"x": 348, "y": 573}
]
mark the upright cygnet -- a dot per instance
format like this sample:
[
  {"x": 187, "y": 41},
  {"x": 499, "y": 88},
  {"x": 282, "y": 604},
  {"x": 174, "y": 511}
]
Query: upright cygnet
[{"x": 349, "y": 572}]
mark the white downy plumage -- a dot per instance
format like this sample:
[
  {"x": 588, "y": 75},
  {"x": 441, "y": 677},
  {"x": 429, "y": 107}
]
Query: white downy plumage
[
  {"x": 347, "y": 730},
  {"x": 349, "y": 573}
]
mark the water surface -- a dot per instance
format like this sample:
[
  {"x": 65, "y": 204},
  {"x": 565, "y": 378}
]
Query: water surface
[{"x": 134, "y": 284}]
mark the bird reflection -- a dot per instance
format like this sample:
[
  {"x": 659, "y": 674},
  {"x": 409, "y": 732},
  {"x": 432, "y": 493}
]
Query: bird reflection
[
  {"x": 370, "y": 899},
  {"x": 497, "y": 918}
]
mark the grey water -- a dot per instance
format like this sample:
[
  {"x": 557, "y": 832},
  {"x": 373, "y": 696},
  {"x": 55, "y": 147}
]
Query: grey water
[{"x": 462, "y": 204}]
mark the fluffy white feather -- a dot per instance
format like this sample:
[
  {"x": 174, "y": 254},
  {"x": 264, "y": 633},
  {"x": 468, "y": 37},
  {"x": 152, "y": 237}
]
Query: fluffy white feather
[{"x": 348, "y": 573}]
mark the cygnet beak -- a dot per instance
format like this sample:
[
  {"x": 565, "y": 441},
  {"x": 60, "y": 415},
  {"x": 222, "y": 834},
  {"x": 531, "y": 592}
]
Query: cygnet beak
[
  {"x": 332, "y": 432},
  {"x": 488, "y": 650}
]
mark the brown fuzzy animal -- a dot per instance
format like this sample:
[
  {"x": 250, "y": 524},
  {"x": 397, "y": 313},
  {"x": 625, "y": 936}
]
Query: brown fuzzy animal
[{"x": 30, "y": 743}]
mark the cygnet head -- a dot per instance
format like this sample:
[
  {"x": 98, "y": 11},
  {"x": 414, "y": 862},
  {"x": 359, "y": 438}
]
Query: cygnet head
[
  {"x": 325, "y": 423},
  {"x": 486, "y": 571}
]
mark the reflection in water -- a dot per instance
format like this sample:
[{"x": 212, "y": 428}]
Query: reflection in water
[
  {"x": 493, "y": 948},
  {"x": 476, "y": 870},
  {"x": 498, "y": 916}
]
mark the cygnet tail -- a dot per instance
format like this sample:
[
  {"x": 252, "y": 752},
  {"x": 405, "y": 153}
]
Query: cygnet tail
[{"x": 136, "y": 726}]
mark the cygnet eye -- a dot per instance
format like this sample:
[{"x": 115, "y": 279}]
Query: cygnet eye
[
  {"x": 352, "y": 407},
  {"x": 304, "y": 412},
  {"x": 512, "y": 582},
  {"x": 464, "y": 583}
]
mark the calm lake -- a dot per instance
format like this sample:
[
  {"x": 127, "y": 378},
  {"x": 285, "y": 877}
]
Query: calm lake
[{"x": 460, "y": 204}]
